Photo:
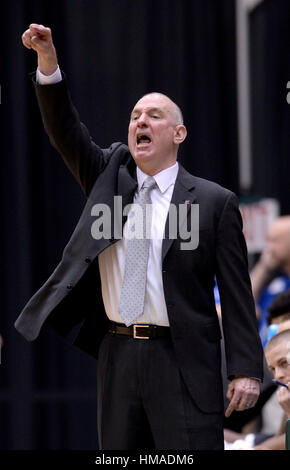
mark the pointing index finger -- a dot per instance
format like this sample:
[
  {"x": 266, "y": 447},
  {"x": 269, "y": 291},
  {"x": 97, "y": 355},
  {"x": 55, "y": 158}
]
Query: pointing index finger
[{"x": 229, "y": 409}]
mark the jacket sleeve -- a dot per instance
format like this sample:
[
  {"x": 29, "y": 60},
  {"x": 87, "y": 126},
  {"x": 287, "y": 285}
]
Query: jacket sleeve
[
  {"x": 69, "y": 135},
  {"x": 244, "y": 352}
]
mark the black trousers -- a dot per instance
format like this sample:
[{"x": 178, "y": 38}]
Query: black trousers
[{"x": 143, "y": 402}]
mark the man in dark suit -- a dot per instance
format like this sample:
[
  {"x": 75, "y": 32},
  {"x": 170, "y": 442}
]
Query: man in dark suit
[{"x": 159, "y": 384}]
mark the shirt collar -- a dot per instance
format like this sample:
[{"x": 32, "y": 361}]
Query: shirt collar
[{"x": 163, "y": 179}]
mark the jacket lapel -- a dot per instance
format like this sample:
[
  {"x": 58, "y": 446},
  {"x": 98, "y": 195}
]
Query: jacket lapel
[
  {"x": 127, "y": 185},
  {"x": 183, "y": 193}
]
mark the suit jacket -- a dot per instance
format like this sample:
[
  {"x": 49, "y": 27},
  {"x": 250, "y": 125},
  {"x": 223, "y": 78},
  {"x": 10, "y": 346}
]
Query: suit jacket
[{"x": 72, "y": 294}]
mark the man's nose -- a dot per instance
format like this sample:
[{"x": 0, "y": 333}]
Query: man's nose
[
  {"x": 279, "y": 374},
  {"x": 142, "y": 120}
]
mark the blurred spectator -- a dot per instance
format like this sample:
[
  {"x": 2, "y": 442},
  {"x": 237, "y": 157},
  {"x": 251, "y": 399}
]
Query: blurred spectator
[
  {"x": 279, "y": 318},
  {"x": 271, "y": 274},
  {"x": 277, "y": 351},
  {"x": 283, "y": 393}
]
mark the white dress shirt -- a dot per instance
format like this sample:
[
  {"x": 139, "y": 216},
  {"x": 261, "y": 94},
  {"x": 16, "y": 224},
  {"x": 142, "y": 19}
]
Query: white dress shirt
[{"x": 112, "y": 259}]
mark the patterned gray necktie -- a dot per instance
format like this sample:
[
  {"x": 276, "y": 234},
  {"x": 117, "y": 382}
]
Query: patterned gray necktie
[{"x": 132, "y": 297}]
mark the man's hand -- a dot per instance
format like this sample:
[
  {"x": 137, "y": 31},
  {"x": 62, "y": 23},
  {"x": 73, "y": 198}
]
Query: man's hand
[
  {"x": 243, "y": 393},
  {"x": 283, "y": 395},
  {"x": 38, "y": 38}
]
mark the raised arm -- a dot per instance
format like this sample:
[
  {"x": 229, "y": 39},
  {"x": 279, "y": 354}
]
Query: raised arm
[{"x": 67, "y": 134}]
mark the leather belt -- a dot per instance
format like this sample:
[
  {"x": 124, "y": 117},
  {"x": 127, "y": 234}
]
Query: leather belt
[{"x": 140, "y": 331}]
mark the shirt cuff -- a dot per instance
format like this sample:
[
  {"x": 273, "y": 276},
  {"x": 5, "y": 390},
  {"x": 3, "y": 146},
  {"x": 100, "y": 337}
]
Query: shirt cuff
[{"x": 42, "y": 79}]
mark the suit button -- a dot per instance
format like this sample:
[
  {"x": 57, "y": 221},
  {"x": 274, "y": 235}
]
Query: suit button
[
  {"x": 88, "y": 260},
  {"x": 69, "y": 286}
]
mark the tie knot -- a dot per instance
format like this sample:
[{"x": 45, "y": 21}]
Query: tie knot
[{"x": 149, "y": 183}]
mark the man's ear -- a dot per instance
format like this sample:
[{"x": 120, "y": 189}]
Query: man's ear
[{"x": 180, "y": 134}]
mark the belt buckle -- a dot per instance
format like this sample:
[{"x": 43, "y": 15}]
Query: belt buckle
[{"x": 135, "y": 334}]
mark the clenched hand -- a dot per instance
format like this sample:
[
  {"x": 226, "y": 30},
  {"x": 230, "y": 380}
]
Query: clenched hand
[{"x": 39, "y": 38}]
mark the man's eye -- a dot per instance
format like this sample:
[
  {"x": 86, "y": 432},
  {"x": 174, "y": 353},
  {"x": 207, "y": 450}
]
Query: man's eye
[{"x": 283, "y": 364}]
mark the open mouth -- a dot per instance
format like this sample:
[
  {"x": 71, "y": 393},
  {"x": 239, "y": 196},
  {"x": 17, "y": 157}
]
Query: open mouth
[{"x": 143, "y": 139}]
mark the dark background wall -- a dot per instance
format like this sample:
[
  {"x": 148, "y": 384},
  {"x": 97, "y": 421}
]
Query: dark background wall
[
  {"x": 270, "y": 73},
  {"x": 114, "y": 51}
]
